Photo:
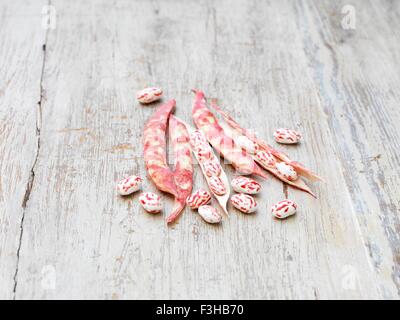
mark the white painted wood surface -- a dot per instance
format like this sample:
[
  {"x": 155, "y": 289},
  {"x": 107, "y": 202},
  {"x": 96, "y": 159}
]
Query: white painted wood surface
[{"x": 71, "y": 128}]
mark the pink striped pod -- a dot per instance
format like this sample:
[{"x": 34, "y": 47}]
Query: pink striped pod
[
  {"x": 245, "y": 185},
  {"x": 284, "y": 209},
  {"x": 197, "y": 138},
  {"x": 223, "y": 144},
  {"x": 198, "y": 198},
  {"x": 244, "y": 203},
  {"x": 307, "y": 173},
  {"x": 183, "y": 173},
  {"x": 155, "y": 154},
  {"x": 287, "y": 136}
]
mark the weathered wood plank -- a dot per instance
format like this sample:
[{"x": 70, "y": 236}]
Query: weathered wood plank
[
  {"x": 21, "y": 57},
  {"x": 356, "y": 72},
  {"x": 82, "y": 241}
]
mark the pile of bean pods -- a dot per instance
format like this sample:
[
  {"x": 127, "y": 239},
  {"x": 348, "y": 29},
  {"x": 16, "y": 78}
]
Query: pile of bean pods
[{"x": 238, "y": 146}]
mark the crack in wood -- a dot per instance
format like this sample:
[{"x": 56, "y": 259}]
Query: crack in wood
[{"x": 31, "y": 179}]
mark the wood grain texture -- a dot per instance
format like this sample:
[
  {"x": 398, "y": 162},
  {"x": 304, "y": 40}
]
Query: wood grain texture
[
  {"x": 358, "y": 81},
  {"x": 21, "y": 40},
  {"x": 271, "y": 64}
]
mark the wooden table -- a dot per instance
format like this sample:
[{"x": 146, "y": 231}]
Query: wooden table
[{"x": 70, "y": 128}]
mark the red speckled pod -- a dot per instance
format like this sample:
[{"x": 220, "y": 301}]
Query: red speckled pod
[
  {"x": 264, "y": 146},
  {"x": 208, "y": 124},
  {"x": 233, "y": 129},
  {"x": 155, "y": 154},
  {"x": 183, "y": 174},
  {"x": 197, "y": 139}
]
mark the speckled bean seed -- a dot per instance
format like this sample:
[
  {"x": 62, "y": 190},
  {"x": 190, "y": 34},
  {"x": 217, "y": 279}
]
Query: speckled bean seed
[
  {"x": 151, "y": 202},
  {"x": 210, "y": 214},
  {"x": 245, "y": 185},
  {"x": 284, "y": 209},
  {"x": 287, "y": 136},
  {"x": 287, "y": 171},
  {"x": 129, "y": 185},
  {"x": 244, "y": 203},
  {"x": 198, "y": 198},
  {"x": 149, "y": 95}
]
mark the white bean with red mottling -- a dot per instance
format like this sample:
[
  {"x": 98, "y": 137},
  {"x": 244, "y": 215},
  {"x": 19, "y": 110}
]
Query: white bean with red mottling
[
  {"x": 149, "y": 95},
  {"x": 198, "y": 198},
  {"x": 212, "y": 168},
  {"x": 210, "y": 214},
  {"x": 287, "y": 136},
  {"x": 265, "y": 158},
  {"x": 287, "y": 171},
  {"x": 151, "y": 202},
  {"x": 245, "y": 185},
  {"x": 246, "y": 144},
  {"x": 129, "y": 185},
  {"x": 244, "y": 203},
  {"x": 217, "y": 186},
  {"x": 203, "y": 153},
  {"x": 284, "y": 209}
]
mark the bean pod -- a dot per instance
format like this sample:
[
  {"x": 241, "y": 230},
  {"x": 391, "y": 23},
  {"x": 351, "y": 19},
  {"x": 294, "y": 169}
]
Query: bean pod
[
  {"x": 149, "y": 95},
  {"x": 151, "y": 202},
  {"x": 198, "y": 138},
  {"x": 284, "y": 209},
  {"x": 129, "y": 185},
  {"x": 244, "y": 203},
  {"x": 223, "y": 144},
  {"x": 287, "y": 136},
  {"x": 246, "y": 185},
  {"x": 210, "y": 214},
  {"x": 287, "y": 171},
  {"x": 198, "y": 198}
]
